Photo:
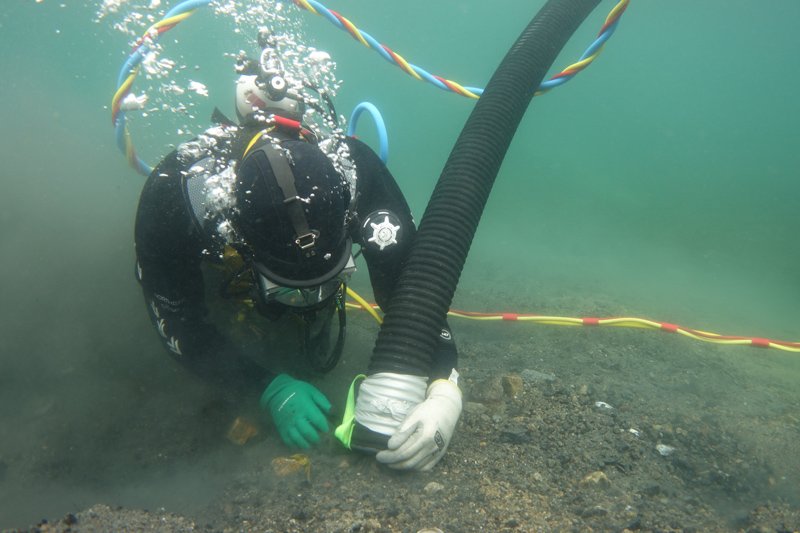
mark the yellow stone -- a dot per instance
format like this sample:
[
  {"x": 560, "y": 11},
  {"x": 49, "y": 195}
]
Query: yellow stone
[
  {"x": 512, "y": 385},
  {"x": 596, "y": 479},
  {"x": 241, "y": 431},
  {"x": 284, "y": 466}
]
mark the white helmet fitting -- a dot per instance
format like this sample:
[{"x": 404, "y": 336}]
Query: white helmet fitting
[{"x": 257, "y": 98}]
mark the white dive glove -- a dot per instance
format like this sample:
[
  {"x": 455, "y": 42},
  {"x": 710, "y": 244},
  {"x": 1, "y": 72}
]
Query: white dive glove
[{"x": 423, "y": 437}]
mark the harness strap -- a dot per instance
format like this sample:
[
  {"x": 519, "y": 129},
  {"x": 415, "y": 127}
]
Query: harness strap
[{"x": 305, "y": 238}]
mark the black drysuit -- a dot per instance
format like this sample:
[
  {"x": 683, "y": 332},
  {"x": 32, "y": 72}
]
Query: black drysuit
[{"x": 171, "y": 247}]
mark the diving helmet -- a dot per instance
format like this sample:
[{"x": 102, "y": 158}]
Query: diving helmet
[{"x": 292, "y": 209}]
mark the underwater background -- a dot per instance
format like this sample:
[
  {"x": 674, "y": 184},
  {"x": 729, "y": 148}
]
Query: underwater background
[{"x": 663, "y": 179}]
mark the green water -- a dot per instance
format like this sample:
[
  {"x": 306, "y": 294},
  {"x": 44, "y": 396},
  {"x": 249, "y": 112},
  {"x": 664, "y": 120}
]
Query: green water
[{"x": 663, "y": 179}]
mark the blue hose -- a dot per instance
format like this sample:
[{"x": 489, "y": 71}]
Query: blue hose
[{"x": 383, "y": 137}]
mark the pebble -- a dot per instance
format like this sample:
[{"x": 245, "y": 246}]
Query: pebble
[
  {"x": 512, "y": 385},
  {"x": 474, "y": 408},
  {"x": 534, "y": 376},
  {"x": 596, "y": 479},
  {"x": 660, "y": 429},
  {"x": 371, "y": 525},
  {"x": 433, "y": 487},
  {"x": 594, "y": 511},
  {"x": 414, "y": 501},
  {"x": 664, "y": 450},
  {"x": 516, "y": 435},
  {"x": 489, "y": 392}
]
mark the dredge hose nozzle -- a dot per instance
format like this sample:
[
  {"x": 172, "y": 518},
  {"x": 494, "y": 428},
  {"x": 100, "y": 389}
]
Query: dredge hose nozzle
[{"x": 418, "y": 309}]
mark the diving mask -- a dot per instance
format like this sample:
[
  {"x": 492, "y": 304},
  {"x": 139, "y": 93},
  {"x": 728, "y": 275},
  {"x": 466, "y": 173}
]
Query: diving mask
[{"x": 304, "y": 297}]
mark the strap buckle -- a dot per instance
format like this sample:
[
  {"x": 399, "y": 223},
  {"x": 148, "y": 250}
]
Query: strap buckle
[{"x": 306, "y": 241}]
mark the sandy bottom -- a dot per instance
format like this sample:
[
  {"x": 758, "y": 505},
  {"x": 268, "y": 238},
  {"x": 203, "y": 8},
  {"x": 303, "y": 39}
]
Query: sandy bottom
[{"x": 577, "y": 429}]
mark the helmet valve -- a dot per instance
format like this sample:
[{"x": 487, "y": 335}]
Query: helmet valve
[{"x": 277, "y": 87}]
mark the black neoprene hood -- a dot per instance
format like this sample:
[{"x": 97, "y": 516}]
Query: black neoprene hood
[{"x": 269, "y": 226}]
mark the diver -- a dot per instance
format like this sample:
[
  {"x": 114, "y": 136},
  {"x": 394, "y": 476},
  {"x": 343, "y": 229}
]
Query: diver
[{"x": 260, "y": 217}]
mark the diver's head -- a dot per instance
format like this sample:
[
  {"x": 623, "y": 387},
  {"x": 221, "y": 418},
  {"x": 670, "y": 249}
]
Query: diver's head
[{"x": 292, "y": 207}]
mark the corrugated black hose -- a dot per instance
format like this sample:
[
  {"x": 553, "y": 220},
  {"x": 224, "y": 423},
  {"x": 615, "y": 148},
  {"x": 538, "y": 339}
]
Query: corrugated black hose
[{"x": 418, "y": 308}]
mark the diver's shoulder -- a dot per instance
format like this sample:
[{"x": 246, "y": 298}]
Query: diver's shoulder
[{"x": 216, "y": 141}]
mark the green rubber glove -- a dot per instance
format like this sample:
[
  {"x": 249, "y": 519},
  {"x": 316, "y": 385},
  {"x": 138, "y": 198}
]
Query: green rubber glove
[{"x": 298, "y": 410}]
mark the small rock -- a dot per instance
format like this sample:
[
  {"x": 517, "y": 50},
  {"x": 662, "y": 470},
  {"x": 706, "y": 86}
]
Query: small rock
[
  {"x": 474, "y": 408},
  {"x": 512, "y": 385},
  {"x": 414, "y": 501},
  {"x": 594, "y": 511},
  {"x": 489, "y": 392},
  {"x": 652, "y": 490},
  {"x": 370, "y": 525},
  {"x": 433, "y": 487},
  {"x": 596, "y": 479},
  {"x": 665, "y": 450},
  {"x": 662, "y": 429},
  {"x": 516, "y": 435},
  {"x": 241, "y": 431},
  {"x": 634, "y": 525},
  {"x": 534, "y": 376}
]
